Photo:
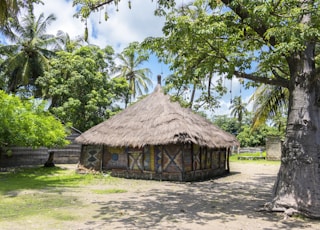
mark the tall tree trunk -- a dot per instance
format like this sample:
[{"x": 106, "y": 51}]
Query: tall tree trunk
[
  {"x": 298, "y": 182},
  {"x": 192, "y": 95}
]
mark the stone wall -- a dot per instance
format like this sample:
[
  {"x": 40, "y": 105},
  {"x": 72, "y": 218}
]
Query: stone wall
[{"x": 273, "y": 148}]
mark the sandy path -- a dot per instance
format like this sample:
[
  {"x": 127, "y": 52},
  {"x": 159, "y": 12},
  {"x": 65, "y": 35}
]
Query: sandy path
[
  {"x": 229, "y": 202},
  {"x": 225, "y": 203}
]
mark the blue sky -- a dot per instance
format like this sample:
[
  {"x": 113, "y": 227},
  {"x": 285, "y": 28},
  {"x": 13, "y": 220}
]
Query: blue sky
[{"x": 123, "y": 26}]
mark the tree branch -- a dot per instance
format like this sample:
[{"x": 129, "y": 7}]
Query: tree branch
[
  {"x": 258, "y": 26},
  {"x": 94, "y": 7},
  {"x": 266, "y": 80}
]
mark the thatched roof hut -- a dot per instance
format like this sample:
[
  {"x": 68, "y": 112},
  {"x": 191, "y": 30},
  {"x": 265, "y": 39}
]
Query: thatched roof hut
[
  {"x": 152, "y": 122},
  {"x": 155, "y": 120}
]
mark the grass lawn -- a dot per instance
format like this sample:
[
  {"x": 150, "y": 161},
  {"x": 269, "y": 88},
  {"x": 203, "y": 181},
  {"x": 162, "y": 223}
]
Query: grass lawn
[
  {"x": 234, "y": 158},
  {"x": 29, "y": 191}
]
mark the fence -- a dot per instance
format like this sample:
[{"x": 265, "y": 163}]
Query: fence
[{"x": 21, "y": 156}]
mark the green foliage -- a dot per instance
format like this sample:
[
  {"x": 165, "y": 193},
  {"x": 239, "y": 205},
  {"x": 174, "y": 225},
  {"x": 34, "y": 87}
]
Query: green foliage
[
  {"x": 190, "y": 46},
  {"x": 250, "y": 138},
  {"x": 179, "y": 84},
  {"x": 66, "y": 43},
  {"x": 245, "y": 39},
  {"x": 8, "y": 9},
  {"x": 23, "y": 123},
  {"x": 238, "y": 109},
  {"x": 80, "y": 87},
  {"x": 26, "y": 57},
  {"x": 86, "y": 7},
  {"x": 244, "y": 133},
  {"x": 228, "y": 124},
  {"x": 270, "y": 102}
]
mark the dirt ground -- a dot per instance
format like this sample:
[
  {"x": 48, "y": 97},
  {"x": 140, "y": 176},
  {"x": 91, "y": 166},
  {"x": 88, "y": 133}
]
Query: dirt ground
[{"x": 230, "y": 202}]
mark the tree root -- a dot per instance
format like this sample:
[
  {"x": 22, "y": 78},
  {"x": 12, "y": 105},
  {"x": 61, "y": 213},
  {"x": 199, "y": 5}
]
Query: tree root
[{"x": 272, "y": 207}]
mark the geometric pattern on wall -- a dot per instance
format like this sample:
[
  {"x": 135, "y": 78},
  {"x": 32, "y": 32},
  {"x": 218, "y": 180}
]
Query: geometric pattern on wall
[
  {"x": 114, "y": 158},
  {"x": 172, "y": 159},
  {"x": 92, "y": 156},
  {"x": 135, "y": 160}
]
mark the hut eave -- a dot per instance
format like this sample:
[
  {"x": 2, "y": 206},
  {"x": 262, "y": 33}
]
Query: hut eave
[{"x": 136, "y": 144}]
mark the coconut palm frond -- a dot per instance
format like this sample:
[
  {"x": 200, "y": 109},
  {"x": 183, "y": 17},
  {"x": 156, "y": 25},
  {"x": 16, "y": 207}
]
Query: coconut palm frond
[
  {"x": 28, "y": 58},
  {"x": 138, "y": 78},
  {"x": 269, "y": 100}
]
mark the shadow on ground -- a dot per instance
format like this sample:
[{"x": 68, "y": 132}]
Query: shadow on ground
[{"x": 196, "y": 204}]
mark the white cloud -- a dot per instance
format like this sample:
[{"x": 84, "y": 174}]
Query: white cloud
[
  {"x": 122, "y": 27},
  {"x": 64, "y": 12},
  {"x": 126, "y": 25}
]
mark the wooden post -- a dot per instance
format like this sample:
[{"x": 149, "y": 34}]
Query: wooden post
[
  {"x": 227, "y": 159},
  {"x": 182, "y": 147}
]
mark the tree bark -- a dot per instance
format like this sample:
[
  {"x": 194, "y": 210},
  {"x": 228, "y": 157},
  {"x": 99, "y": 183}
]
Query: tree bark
[
  {"x": 298, "y": 183},
  {"x": 49, "y": 162}
]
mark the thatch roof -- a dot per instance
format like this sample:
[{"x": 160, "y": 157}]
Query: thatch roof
[{"x": 155, "y": 120}]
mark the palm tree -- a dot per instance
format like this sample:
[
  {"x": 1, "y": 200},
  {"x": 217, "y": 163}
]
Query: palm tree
[
  {"x": 66, "y": 43},
  {"x": 8, "y": 8},
  {"x": 27, "y": 58},
  {"x": 238, "y": 109},
  {"x": 138, "y": 79},
  {"x": 270, "y": 102}
]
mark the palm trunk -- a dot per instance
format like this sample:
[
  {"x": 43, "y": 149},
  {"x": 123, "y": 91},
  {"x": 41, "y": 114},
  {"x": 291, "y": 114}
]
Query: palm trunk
[{"x": 298, "y": 182}]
